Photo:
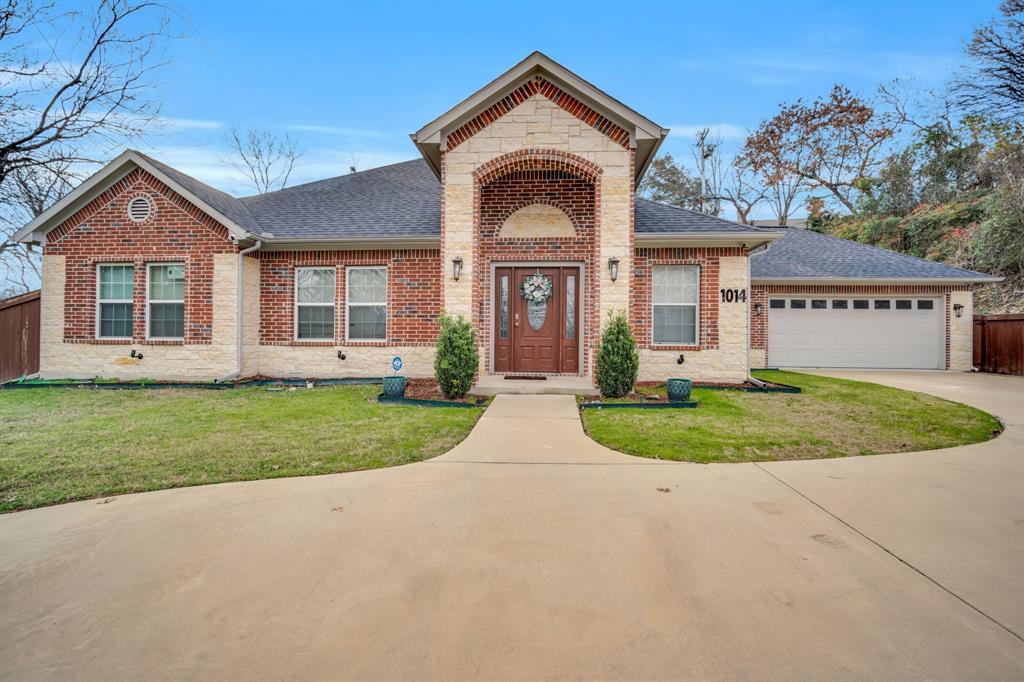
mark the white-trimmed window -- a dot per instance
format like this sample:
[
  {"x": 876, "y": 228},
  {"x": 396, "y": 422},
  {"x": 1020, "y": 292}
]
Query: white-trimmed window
[
  {"x": 115, "y": 289},
  {"x": 366, "y": 298},
  {"x": 165, "y": 301},
  {"x": 676, "y": 299},
  {"x": 314, "y": 304}
]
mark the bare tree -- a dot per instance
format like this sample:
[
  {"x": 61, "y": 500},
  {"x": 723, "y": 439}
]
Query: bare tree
[
  {"x": 265, "y": 159},
  {"x": 26, "y": 194},
  {"x": 742, "y": 189},
  {"x": 834, "y": 143},
  {"x": 707, "y": 156},
  {"x": 74, "y": 85},
  {"x": 994, "y": 84}
]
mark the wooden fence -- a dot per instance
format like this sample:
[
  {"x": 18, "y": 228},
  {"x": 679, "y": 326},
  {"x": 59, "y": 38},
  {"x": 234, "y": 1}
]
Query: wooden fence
[
  {"x": 19, "y": 336},
  {"x": 999, "y": 343}
]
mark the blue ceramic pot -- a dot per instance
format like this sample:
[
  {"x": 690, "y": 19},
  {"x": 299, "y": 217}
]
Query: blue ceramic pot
[
  {"x": 394, "y": 387},
  {"x": 679, "y": 390}
]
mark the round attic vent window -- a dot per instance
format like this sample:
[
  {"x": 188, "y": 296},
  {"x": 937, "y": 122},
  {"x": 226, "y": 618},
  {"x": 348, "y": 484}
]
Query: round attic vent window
[{"x": 140, "y": 209}]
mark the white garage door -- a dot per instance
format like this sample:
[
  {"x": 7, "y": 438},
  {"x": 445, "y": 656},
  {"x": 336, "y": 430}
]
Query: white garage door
[{"x": 887, "y": 333}]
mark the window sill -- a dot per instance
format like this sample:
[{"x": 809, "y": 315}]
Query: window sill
[
  {"x": 113, "y": 342},
  {"x": 676, "y": 347},
  {"x": 163, "y": 342},
  {"x": 366, "y": 343},
  {"x": 312, "y": 342}
]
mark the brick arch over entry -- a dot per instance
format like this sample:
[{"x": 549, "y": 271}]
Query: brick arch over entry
[
  {"x": 536, "y": 176},
  {"x": 536, "y": 160}
]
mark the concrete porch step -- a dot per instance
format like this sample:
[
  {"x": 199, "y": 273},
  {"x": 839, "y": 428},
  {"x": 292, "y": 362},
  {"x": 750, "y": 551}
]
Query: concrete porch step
[{"x": 552, "y": 385}]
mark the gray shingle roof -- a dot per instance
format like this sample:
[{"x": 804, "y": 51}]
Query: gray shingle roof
[
  {"x": 404, "y": 200},
  {"x": 655, "y": 218},
  {"x": 803, "y": 254},
  {"x": 231, "y": 207},
  {"x": 400, "y": 200}
]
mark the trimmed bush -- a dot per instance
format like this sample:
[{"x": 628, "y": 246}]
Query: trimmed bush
[
  {"x": 457, "y": 357},
  {"x": 617, "y": 358}
]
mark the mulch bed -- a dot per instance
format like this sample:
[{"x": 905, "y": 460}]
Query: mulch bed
[{"x": 427, "y": 389}]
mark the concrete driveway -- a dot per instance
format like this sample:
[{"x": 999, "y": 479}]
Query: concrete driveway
[{"x": 529, "y": 552}]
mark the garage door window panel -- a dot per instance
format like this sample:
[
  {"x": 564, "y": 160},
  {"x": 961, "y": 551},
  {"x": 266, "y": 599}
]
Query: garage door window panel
[
  {"x": 925, "y": 305},
  {"x": 839, "y": 304},
  {"x": 676, "y": 304},
  {"x": 882, "y": 305}
]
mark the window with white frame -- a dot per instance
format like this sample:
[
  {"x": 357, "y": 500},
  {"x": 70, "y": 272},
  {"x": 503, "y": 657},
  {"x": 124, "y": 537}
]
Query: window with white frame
[
  {"x": 314, "y": 304},
  {"x": 676, "y": 299},
  {"x": 116, "y": 287},
  {"x": 165, "y": 301},
  {"x": 367, "y": 303}
]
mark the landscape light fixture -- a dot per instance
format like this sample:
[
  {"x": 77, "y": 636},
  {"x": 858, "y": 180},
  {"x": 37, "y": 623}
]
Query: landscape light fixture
[
  {"x": 457, "y": 267},
  {"x": 613, "y": 267}
]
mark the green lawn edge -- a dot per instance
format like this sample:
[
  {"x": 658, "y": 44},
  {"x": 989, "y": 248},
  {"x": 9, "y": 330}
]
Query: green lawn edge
[
  {"x": 829, "y": 418},
  {"x": 60, "y": 445}
]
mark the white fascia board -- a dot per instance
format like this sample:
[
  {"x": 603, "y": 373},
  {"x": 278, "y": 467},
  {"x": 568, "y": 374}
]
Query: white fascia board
[
  {"x": 537, "y": 62},
  {"x": 874, "y": 281},
  {"x": 349, "y": 244},
  {"x": 749, "y": 239},
  {"x": 98, "y": 183}
]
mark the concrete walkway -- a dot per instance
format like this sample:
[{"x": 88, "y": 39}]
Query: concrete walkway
[{"x": 529, "y": 552}]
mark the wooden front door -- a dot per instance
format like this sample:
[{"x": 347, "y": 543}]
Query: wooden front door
[{"x": 542, "y": 337}]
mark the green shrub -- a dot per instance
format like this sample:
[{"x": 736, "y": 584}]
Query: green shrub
[
  {"x": 617, "y": 358},
  {"x": 457, "y": 357}
]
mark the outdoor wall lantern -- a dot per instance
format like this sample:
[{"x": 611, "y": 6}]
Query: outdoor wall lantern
[
  {"x": 457, "y": 267},
  {"x": 958, "y": 309},
  {"x": 757, "y": 308},
  {"x": 613, "y": 267}
]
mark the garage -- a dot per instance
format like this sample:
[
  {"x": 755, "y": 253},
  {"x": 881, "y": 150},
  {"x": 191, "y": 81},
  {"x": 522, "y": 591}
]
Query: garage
[{"x": 858, "y": 332}]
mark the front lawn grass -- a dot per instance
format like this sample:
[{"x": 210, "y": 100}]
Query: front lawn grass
[
  {"x": 831, "y": 418},
  {"x": 59, "y": 445}
]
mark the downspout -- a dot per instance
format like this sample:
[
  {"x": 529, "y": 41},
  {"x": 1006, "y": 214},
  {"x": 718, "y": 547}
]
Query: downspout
[
  {"x": 240, "y": 316},
  {"x": 750, "y": 289}
]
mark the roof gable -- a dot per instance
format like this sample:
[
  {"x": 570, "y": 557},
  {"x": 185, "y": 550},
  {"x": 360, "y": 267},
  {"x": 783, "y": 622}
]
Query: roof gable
[
  {"x": 540, "y": 74},
  {"x": 223, "y": 208}
]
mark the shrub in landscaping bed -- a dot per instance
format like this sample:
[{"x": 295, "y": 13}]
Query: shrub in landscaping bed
[
  {"x": 457, "y": 358},
  {"x": 617, "y": 359}
]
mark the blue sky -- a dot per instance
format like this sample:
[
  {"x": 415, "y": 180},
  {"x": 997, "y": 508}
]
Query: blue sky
[{"x": 351, "y": 81}]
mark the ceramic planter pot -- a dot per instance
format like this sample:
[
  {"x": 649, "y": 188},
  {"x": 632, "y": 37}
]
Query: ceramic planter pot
[
  {"x": 679, "y": 390},
  {"x": 394, "y": 387}
]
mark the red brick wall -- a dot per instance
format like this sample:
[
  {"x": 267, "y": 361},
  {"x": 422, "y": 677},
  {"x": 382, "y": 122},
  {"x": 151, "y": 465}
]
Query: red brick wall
[
  {"x": 101, "y": 232},
  {"x": 640, "y": 297},
  {"x": 510, "y": 184},
  {"x": 762, "y": 292},
  {"x": 414, "y": 294}
]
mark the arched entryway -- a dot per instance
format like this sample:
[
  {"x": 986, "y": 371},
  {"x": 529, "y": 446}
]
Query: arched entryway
[{"x": 537, "y": 225}]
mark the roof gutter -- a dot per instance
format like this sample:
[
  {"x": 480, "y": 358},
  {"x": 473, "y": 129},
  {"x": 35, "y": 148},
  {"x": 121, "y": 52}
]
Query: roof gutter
[
  {"x": 349, "y": 243},
  {"x": 876, "y": 280},
  {"x": 751, "y": 239}
]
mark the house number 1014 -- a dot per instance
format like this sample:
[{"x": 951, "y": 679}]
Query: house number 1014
[{"x": 734, "y": 295}]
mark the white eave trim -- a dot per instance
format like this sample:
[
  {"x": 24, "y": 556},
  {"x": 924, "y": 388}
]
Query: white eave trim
[
  {"x": 97, "y": 183},
  {"x": 349, "y": 244},
  {"x": 749, "y": 239},
  {"x": 874, "y": 281},
  {"x": 533, "y": 62}
]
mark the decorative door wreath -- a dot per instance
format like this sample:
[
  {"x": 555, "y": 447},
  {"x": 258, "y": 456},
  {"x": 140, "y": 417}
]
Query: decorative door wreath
[{"x": 536, "y": 289}]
